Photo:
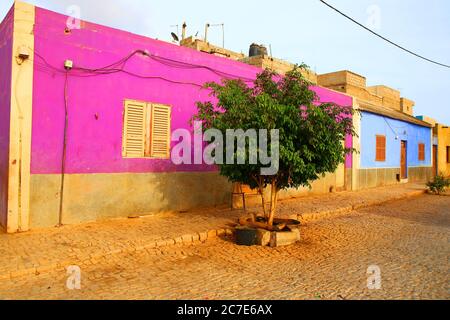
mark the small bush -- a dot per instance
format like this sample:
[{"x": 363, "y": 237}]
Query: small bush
[{"x": 439, "y": 184}]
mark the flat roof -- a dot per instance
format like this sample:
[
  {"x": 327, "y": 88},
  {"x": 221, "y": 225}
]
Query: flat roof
[{"x": 391, "y": 113}]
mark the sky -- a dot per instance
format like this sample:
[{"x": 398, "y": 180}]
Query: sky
[{"x": 305, "y": 31}]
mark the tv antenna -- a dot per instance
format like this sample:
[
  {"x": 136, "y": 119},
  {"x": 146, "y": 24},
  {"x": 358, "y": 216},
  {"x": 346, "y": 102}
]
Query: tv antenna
[{"x": 208, "y": 25}]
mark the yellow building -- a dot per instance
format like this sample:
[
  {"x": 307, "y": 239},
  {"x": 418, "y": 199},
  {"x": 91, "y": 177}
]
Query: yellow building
[
  {"x": 443, "y": 149},
  {"x": 441, "y": 146}
]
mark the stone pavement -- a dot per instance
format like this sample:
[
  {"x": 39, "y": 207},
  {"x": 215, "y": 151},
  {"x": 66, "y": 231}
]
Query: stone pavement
[
  {"x": 407, "y": 240},
  {"x": 41, "y": 251}
]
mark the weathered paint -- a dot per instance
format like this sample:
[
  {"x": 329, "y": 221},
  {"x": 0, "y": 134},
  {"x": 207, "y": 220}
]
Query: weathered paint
[
  {"x": 91, "y": 197},
  {"x": 6, "y": 35},
  {"x": 395, "y": 131},
  {"x": 356, "y": 142},
  {"x": 20, "y": 119}
]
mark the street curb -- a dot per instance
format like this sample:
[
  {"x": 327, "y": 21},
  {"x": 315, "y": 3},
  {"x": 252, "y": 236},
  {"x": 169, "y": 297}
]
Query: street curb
[
  {"x": 199, "y": 237},
  {"x": 312, "y": 216}
]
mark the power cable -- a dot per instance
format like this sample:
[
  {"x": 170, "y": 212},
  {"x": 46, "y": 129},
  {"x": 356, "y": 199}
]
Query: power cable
[
  {"x": 64, "y": 149},
  {"x": 384, "y": 38},
  {"x": 119, "y": 66}
]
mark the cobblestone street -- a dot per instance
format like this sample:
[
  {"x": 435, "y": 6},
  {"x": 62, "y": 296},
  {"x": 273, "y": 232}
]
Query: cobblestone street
[{"x": 408, "y": 240}]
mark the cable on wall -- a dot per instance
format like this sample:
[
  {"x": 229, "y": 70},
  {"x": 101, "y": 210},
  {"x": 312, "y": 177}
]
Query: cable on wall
[
  {"x": 119, "y": 66},
  {"x": 115, "y": 67},
  {"x": 64, "y": 149}
]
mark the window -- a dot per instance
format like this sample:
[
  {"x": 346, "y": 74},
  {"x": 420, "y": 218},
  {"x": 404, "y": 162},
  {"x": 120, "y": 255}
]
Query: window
[
  {"x": 381, "y": 149},
  {"x": 421, "y": 152},
  {"x": 146, "y": 130},
  {"x": 448, "y": 154}
]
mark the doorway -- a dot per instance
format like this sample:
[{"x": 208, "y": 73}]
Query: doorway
[{"x": 404, "y": 161}]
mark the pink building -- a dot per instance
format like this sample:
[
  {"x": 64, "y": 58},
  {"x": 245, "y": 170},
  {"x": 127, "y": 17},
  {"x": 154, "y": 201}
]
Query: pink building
[{"x": 117, "y": 136}]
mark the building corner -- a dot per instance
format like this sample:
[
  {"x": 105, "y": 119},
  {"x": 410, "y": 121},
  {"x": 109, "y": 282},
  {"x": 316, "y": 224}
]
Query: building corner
[{"x": 21, "y": 118}]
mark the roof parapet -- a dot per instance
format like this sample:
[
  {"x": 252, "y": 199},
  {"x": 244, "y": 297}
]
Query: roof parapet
[{"x": 355, "y": 85}]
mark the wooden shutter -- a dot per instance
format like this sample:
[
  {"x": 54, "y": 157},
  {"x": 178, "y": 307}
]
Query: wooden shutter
[
  {"x": 448, "y": 154},
  {"x": 381, "y": 149},
  {"x": 160, "y": 131},
  {"x": 421, "y": 152},
  {"x": 134, "y": 128}
]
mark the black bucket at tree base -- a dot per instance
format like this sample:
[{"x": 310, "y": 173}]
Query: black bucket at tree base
[
  {"x": 249, "y": 236},
  {"x": 246, "y": 236}
]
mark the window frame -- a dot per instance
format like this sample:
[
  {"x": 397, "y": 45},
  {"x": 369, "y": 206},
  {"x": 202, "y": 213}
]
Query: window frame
[
  {"x": 378, "y": 148},
  {"x": 421, "y": 151},
  {"x": 148, "y": 127},
  {"x": 448, "y": 154}
]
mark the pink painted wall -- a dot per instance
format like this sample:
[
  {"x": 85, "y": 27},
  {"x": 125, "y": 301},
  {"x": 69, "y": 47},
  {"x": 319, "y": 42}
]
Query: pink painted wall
[
  {"x": 94, "y": 145},
  {"x": 6, "y": 32}
]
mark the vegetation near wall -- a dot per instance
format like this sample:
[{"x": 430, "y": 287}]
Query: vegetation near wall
[{"x": 311, "y": 133}]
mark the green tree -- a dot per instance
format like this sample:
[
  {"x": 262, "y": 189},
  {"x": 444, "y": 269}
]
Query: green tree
[{"x": 311, "y": 133}]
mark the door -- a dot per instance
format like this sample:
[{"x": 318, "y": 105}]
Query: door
[
  {"x": 403, "y": 161},
  {"x": 435, "y": 158}
]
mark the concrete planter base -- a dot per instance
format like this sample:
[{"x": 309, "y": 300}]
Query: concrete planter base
[
  {"x": 284, "y": 238},
  {"x": 248, "y": 236}
]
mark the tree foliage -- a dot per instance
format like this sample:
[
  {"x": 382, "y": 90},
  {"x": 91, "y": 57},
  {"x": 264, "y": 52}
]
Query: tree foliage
[
  {"x": 439, "y": 184},
  {"x": 311, "y": 133}
]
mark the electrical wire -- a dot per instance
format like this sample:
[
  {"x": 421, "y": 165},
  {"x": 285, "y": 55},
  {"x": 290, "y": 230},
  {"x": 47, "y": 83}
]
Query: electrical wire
[
  {"x": 384, "y": 38},
  {"x": 115, "y": 67},
  {"x": 64, "y": 150},
  {"x": 119, "y": 66}
]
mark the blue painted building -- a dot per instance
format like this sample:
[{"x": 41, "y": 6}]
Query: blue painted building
[
  {"x": 394, "y": 148},
  {"x": 395, "y": 131}
]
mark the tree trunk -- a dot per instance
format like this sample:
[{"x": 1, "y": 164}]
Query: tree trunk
[
  {"x": 263, "y": 198},
  {"x": 260, "y": 183},
  {"x": 273, "y": 203}
]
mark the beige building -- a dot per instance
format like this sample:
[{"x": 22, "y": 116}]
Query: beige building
[
  {"x": 206, "y": 47},
  {"x": 262, "y": 60},
  {"x": 356, "y": 85},
  {"x": 277, "y": 65}
]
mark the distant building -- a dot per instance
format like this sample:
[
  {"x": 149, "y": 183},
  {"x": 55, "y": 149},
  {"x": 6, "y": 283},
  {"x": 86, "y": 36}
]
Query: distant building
[
  {"x": 441, "y": 146},
  {"x": 393, "y": 145},
  {"x": 258, "y": 59}
]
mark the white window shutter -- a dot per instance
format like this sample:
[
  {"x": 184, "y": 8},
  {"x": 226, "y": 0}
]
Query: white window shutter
[
  {"x": 160, "y": 131},
  {"x": 134, "y": 129}
]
